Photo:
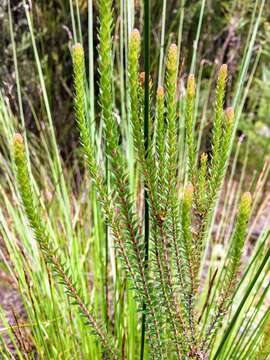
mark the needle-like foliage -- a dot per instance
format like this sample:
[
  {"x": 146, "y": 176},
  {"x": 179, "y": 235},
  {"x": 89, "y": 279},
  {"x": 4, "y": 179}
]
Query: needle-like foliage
[{"x": 50, "y": 254}]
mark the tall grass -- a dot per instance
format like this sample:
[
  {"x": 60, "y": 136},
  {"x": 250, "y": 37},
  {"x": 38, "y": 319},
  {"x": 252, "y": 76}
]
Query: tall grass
[{"x": 131, "y": 256}]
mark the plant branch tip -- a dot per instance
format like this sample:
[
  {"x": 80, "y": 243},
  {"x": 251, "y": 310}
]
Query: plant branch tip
[
  {"x": 188, "y": 195},
  {"x": 223, "y": 72},
  {"x": 172, "y": 57},
  {"x": 191, "y": 85},
  {"x": 246, "y": 199},
  {"x": 78, "y": 49},
  {"x": 135, "y": 35},
  {"x": 204, "y": 157},
  {"x": 173, "y": 49},
  {"x": 17, "y": 139},
  {"x": 229, "y": 113},
  {"x": 160, "y": 91}
]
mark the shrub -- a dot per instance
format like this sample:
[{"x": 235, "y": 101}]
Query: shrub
[{"x": 152, "y": 204}]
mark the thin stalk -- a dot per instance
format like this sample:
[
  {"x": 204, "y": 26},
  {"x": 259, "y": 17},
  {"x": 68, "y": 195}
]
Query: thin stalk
[
  {"x": 244, "y": 299},
  {"x": 245, "y": 65},
  {"x": 79, "y": 22},
  {"x": 74, "y": 32},
  {"x": 196, "y": 41},
  {"x": 180, "y": 30},
  {"x": 162, "y": 44},
  {"x": 91, "y": 58}
]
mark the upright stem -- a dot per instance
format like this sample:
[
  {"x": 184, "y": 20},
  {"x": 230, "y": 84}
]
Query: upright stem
[
  {"x": 146, "y": 130},
  {"x": 107, "y": 252}
]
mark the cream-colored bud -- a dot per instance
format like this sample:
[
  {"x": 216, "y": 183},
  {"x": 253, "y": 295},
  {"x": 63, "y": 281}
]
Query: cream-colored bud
[
  {"x": 229, "y": 114},
  {"x": 17, "y": 139},
  {"x": 223, "y": 72},
  {"x": 188, "y": 194},
  {"x": 135, "y": 35},
  {"x": 246, "y": 199},
  {"x": 78, "y": 50},
  {"x": 204, "y": 157},
  {"x": 191, "y": 85},
  {"x": 172, "y": 57},
  {"x": 160, "y": 91}
]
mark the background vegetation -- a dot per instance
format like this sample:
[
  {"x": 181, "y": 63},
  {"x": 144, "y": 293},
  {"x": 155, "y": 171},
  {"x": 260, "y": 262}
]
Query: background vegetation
[{"x": 225, "y": 25}]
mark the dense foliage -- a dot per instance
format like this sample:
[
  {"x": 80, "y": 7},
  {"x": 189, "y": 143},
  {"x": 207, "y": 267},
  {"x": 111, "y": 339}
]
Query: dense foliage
[{"x": 135, "y": 245}]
